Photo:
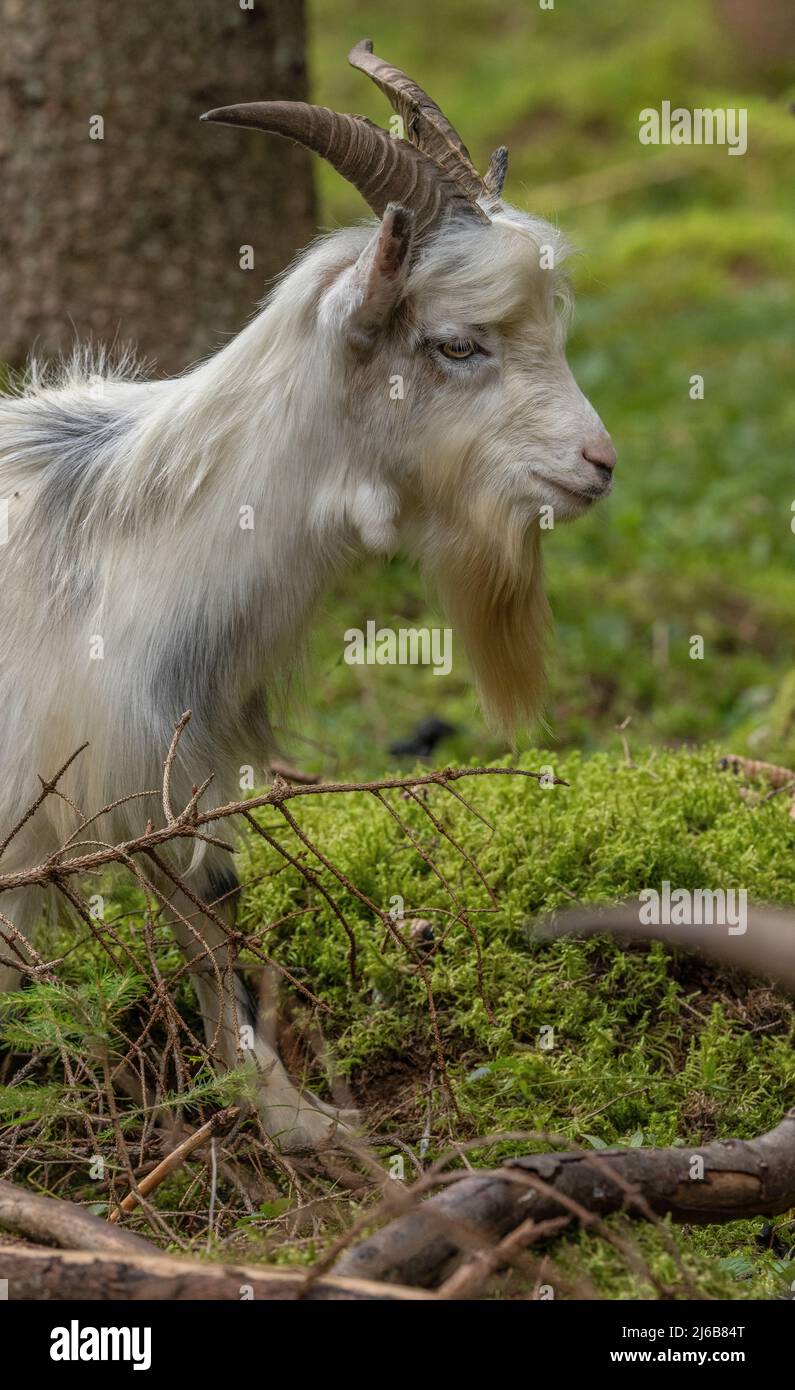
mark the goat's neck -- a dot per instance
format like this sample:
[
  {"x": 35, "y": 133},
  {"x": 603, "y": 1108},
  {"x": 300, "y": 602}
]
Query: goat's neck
[{"x": 259, "y": 466}]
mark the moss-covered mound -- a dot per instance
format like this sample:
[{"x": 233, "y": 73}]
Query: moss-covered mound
[
  {"x": 647, "y": 1046},
  {"x": 470, "y": 1028}
]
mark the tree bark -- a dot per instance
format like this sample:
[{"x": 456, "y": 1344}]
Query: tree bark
[
  {"x": 136, "y": 237},
  {"x": 64, "y": 1223},
  {"x": 53, "y": 1274}
]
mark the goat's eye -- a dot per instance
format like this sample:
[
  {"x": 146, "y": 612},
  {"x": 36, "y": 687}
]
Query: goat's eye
[{"x": 459, "y": 348}]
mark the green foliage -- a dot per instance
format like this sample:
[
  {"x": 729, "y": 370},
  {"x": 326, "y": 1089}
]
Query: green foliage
[
  {"x": 648, "y": 1048},
  {"x": 48, "y": 1018}
]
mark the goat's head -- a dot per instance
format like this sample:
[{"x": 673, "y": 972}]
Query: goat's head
[{"x": 455, "y": 304}]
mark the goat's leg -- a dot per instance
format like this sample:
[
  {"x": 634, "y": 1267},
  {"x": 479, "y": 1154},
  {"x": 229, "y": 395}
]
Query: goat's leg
[
  {"x": 267, "y": 1010},
  {"x": 237, "y": 1031}
]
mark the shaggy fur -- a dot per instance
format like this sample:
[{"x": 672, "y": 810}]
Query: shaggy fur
[{"x": 126, "y": 497}]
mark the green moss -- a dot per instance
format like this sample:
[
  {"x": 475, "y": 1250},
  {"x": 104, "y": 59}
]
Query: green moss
[
  {"x": 614, "y": 830},
  {"x": 648, "y": 1047}
]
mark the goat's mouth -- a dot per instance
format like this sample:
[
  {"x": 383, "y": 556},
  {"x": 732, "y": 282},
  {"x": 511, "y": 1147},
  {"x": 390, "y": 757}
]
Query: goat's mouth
[
  {"x": 582, "y": 495},
  {"x": 585, "y": 494}
]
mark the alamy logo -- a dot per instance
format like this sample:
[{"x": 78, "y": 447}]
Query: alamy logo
[
  {"x": 76, "y": 1343},
  {"x": 408, "y": 646},
  {"x": 722, "y": 907},
  {"x": 703, "y": 126}
]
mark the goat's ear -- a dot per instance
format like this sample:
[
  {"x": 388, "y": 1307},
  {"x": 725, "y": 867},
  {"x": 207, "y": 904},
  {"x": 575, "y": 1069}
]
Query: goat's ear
[{"x": 367, "y": 295}]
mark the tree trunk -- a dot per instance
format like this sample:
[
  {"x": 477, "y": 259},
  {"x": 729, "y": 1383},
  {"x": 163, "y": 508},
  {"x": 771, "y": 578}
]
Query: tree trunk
[{"x": 136, "y": 237}]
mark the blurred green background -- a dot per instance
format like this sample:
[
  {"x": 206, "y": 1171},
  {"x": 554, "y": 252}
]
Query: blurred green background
[{"x": 684, "y": 266}]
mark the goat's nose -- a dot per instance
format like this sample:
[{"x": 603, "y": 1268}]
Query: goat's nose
[{"x": 601, "y": 453}]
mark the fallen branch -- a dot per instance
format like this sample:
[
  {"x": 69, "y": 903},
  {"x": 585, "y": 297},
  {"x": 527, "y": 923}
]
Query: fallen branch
[
  {"x": 63, "y": 1223},
  {"x": 111, "y": 1276},
  {"x": 80, "y": 854},
  {"x": 741, "y": 1179},
  {"x": 187, "y": 824},
  {"x": 468, "y": 1279},
  {"x": 221, "y": 1121}
]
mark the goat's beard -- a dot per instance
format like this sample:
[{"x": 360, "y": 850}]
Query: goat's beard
[{"x": 485, "y": 564}]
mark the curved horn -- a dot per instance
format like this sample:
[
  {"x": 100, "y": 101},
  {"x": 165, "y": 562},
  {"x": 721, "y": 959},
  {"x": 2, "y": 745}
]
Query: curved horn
[
  {"x": 494, "y": 177},
  {"x": 385, "y": 170},
  {"x": 426, "y": 125}
]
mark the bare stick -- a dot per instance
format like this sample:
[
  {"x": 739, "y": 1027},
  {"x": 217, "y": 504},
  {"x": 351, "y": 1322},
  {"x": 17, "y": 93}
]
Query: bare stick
[
  {"x": 169, "y": 763},
  {"x": 46, "y": 789},
  {"x": 190, "y": 820},
  {"x": 222, "y": 1120}
]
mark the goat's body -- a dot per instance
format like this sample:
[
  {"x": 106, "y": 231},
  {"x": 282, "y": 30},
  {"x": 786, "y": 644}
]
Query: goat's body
[
  {"x": 168, "y": 539},
  {"x": 109, "y": 627},
  {"x": 130, "y": 591},
  {"x": 405, "y": 384}
]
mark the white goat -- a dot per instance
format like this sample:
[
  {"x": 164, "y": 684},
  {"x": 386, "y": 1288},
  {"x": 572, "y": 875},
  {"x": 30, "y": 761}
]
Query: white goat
[{"x": 130, "y": 590}]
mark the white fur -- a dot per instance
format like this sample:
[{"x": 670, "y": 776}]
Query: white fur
[
  {"x": 126, "y": 494},
  {"x": 150, "y": 529}
]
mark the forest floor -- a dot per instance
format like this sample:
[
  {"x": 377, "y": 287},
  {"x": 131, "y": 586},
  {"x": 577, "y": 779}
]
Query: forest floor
[
  {"x": 686, "y": 271},
  {"x": 498, "y": 1033}
]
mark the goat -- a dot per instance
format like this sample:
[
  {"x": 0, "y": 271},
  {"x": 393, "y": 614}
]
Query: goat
[{"x": 132, "y": 591}]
